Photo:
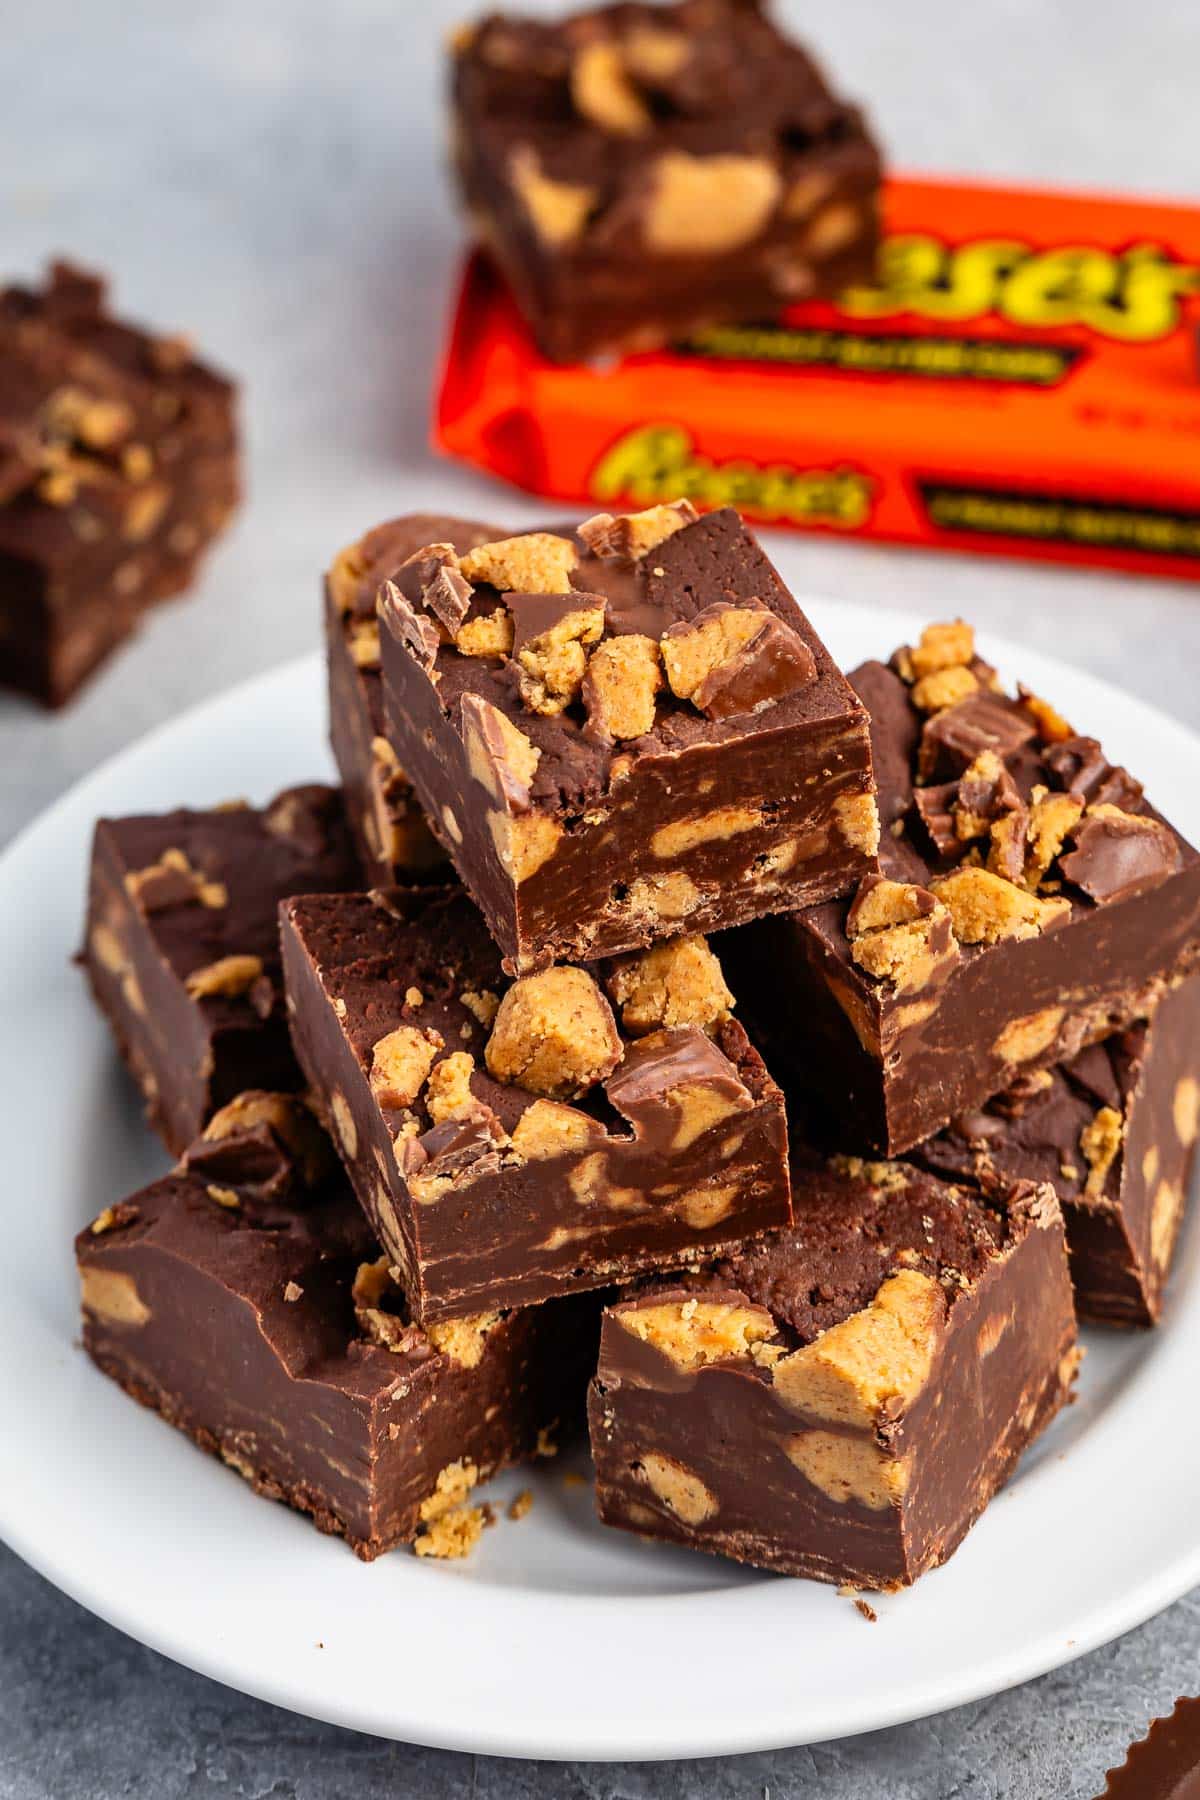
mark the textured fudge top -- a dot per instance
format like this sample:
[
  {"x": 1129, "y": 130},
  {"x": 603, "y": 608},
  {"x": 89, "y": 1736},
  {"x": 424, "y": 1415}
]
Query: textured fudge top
[
  {"x": 562, "y": 656},
  {"x": 88, "y": 402},
  {"x": 1063, "y": 1125},
  {"x": 259, "y": 1206},
  {"x": 841, "y": 1312},
  {"x": 870, "y": 1221},
  {"x": 208, "y": 885},
  {"x": 465, "y": 1063},
  {"x": 589, "y": 95},
  {"x": 998, "y": 820}
]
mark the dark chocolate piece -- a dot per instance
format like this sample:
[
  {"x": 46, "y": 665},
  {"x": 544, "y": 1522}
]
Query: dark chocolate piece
[
  {"x": 393, "y": 841},
  {"x": 118, "y": 466},
  {"x": 514, "y": 1140},
  {"x": 1165, "y": 1764},
  {"x": 1069, "y": 915},
  {"x": 263, "y": 1323},
  {"x": 182, "y": 944},
  {"x": 616, "y": 747},
  {"x": 640, "y": 171},
  {"x": 840, "y": 1400},
  {"x": 1114, "y": 1132}
]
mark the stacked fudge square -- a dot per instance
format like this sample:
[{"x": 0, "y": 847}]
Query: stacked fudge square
[
  {"x": 640, "y": 171},
  {"x": 792, "y": 1056}
]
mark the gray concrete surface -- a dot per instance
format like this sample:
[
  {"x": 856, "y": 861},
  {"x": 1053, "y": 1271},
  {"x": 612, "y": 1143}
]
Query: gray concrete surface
[{"x": 267, "y": 174}]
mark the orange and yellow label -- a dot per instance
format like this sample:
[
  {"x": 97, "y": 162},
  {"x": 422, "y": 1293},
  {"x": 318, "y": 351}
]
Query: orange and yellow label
[{"x": 1021, "y": 377}]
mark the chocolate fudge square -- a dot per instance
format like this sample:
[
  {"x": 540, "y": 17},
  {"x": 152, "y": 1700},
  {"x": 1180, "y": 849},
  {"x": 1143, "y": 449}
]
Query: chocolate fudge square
[
  {"x": 243, "y": 1298},
  {"x": 182, "y": 944},
  {"x": 1114, "y": 1132},
  {"x": 639, "y": 171},
  {"x": 118, "y": 466},
  {"x": 624, "y": 732},
  {"x": 842, "y": 1400},
  {"x": 1028, "y": 902},
  {"x": 393, "y": 841},
  {"x": 511, "y": 1141}
]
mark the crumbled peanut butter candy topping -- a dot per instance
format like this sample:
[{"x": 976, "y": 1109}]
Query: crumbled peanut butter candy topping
[
  {"x": 675, "y": 983},
  {"x": 451, "y": 1527},
  {"x": 623, "y": 679},
  {"x": 984, "y": 907},
  {"x": 484, "y": 1005},
  {"x": 448, "y": 1091},
  {"x": 950, "y": 646},
  {"x": 629, "y": 536},
  {"x": 554, "y": 1034},
  {"x": 400, "y": 1063},
  {"x": 462, "y": 1340},
  {"x": 879, "y": 1357},
  {"x": 1052, "y": 727},
  {"x": 1099, "y": 1141},
  {"x": 945, "y": 687},
  {"x": 692, "y": 651},
  {"x": 1052, "y": 817},
  {"x": 899, "y": 933},
  {"x": 550, "y": 668},
  {"x": 454, "y": 1534},
  {"x": 694, "y": 1332},
  {"x": 538, "y": 563},
  {"x": 230, "y": 976},
  {"x": 489, "y": 635},
  {"x": 453, "y": 1485},
  {"x": 548, "y": 1128}
]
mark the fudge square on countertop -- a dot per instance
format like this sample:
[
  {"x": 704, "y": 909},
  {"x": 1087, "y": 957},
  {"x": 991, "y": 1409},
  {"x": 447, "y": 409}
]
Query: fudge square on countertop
[
  {"x": 844, "y": 1398},
  {"x": 393, "y": 841},
  {"x": 118, "y": 465},
  {"x": 625, "y": 732},
  {"x": 638, "y": 171},
  {"x": 514, "y": 1140},
  {"x": 1114, "y": 1132},
  {"x": 243, "y": 1298},
  {"x": 182, "y": 944},
  {"x": 1031, "y": 902}
]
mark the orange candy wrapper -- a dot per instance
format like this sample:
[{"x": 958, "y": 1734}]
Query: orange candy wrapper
[{"x": 1023, "y": 379}]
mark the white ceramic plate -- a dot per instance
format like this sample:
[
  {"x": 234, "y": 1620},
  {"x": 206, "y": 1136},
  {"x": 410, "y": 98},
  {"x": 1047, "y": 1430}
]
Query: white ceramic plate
[{"x": 557, "y": 1639}]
